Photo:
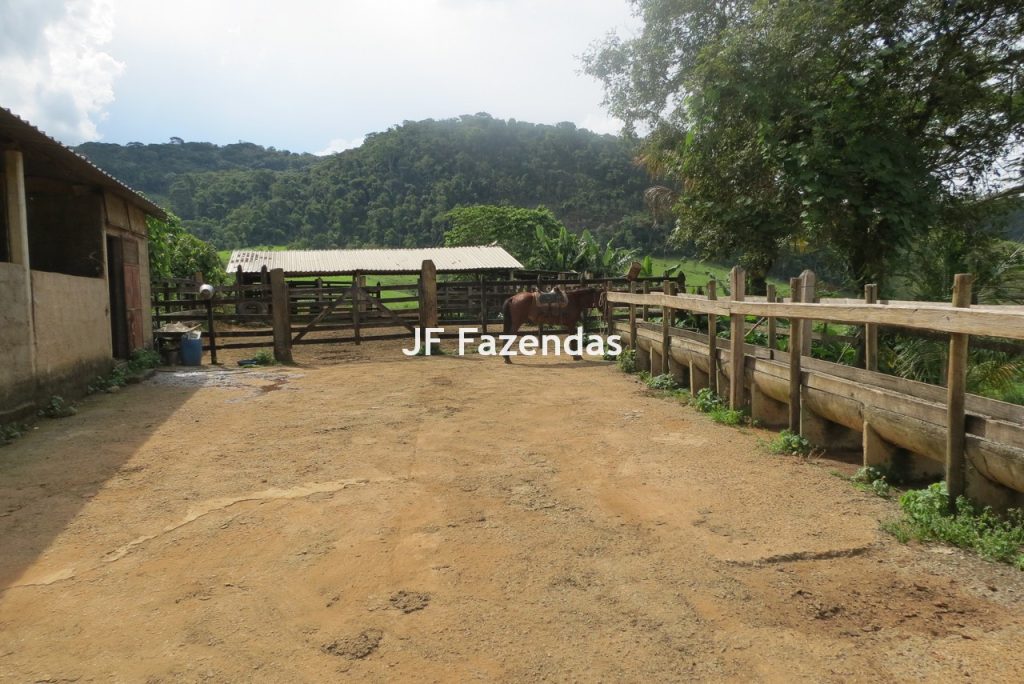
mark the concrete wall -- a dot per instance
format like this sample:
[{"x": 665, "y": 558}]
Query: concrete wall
[
  {"x": 72, "y": 326},
  {"x": 17, "y": 386}
]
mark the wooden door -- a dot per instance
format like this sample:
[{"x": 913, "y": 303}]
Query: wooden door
[{"x": 133, "y": 293}]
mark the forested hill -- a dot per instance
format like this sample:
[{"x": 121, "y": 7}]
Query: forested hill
[
  {"x": 152, "y": 169},
  {"x": 395, "y": 188}
]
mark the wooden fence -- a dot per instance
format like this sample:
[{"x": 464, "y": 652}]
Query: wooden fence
[
  {"x": 976, "y": 443},
  {"x": 338, "y": 309}
]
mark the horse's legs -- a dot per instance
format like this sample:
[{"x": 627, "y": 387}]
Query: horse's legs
[
  {"x": 570, "y": 329},
  {"x": 513, "y": 330}
]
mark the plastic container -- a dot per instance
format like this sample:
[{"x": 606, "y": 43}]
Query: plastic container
[{"x": 191, "y": 349}]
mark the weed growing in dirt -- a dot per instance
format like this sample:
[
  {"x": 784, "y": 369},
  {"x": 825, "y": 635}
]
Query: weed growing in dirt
[
  {"x": 264, "y": 357},
  {"x": 706, "y": 401},
  {"x": 791, "y": 443},
  {"x": 710, "y": 403},
  {"x": 58, "y": 408},
  {"x": 11, "y": 431},
  {"x": 872, "y": 479},
  {"x": 868, "y": 474},
  {"x": 727, "y": 416},
  {"x": 141, "y": 360},
  {"x": 627, "y": 361},
  {"x": 662, "y": 382},
  {"x": 926, "y": 517}
]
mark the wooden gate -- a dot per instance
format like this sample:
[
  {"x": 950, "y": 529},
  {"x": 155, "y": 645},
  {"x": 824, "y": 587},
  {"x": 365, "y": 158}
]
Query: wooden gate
[{"x": 356, "y": 307}]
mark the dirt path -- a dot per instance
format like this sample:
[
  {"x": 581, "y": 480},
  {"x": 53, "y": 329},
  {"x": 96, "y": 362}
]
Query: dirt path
[{"x": 458, "y": 519}]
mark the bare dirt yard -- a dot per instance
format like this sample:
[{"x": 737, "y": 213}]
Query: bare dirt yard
[{"x": 370, "y": 517}]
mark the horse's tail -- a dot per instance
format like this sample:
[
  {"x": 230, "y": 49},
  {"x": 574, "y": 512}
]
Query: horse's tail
[{"x": 506, "y": 316}]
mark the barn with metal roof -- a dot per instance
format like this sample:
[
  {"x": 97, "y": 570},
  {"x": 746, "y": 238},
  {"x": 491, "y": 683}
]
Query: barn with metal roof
[{"x": 327, "y": 262}]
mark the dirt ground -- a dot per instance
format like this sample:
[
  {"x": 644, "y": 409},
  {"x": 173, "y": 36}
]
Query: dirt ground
[{"x": 370, "y": 517}]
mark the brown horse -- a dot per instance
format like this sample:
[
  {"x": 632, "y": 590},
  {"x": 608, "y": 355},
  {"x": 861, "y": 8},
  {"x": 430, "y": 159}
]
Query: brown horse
[{"x": 525, "y": 307}]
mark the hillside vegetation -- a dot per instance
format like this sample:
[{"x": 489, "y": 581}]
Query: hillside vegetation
[{"x": 394, "y": 189}]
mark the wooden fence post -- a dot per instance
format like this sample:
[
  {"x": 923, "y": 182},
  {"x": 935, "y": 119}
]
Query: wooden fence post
[
  {"x": 239, "y": 294},
  {"x": 606, "y": 313},
  {"x": 795, "y": 349},
  {"x": 210, "y": 323},
  {"x": 483, "y": 304},
  {"x": 282, "y": 317},
  {"x": 669, "y": 288},
  {"x": 738, "y": 284},
  {"x": 773, "y": 330},
  {"x": 712, "y": 340},
  {"x": 647, "y": 290},
  {"x": 808, "y": 295},
  {"x": 428, "y": 296},
  {"x": 632, "y": 318},
  {"x": 956, "y": 390},
  {"x": 871, "y": 331}
]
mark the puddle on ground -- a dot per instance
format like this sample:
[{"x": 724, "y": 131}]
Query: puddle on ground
[{"x": 256, "y": 382}]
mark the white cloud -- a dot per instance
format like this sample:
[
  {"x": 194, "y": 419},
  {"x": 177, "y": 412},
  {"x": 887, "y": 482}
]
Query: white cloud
[
  {"x": 340, "y": 145},
  {"x": 53, "y": 69},
  {"x": 300, "y": 73}
]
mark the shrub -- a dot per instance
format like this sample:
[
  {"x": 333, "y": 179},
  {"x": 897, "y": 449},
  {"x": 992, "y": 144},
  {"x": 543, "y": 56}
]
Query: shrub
[
  {"x": 264, "y": 357},
  {"x": 627, "y": 361},
  {"x": 58, "y": 408},
  {"x": 108, "y": 383},
  {"x": 706, "y": 401},
  {"x": 143, "y": 359},
  {"x": 926, "y": 516},
  {"x": 662, "y": 382},
  {"x": 787, "y": 442},
  {"x": 11, "y": 431}
]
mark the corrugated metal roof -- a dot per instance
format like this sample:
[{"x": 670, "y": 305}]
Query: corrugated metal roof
[
  {"x": 29, "y": 138},
  {"x": 347, "y": 261}
]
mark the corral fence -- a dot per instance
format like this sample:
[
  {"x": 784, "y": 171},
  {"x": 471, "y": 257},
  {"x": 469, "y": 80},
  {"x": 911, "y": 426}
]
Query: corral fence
[
  {"x": 975, "y": 443},
  {"x": 281, "y": 312}
]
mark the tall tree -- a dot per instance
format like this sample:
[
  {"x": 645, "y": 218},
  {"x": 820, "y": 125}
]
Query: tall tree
[
  {"x": 857, "y": 126},
  {"x": 514, "y": 228}
]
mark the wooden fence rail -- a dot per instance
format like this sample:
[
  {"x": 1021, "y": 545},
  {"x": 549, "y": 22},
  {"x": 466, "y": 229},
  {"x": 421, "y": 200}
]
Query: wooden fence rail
[{"x": 978, "y": 442}]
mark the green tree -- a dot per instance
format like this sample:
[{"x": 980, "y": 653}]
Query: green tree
[
  {"x": 566, "y": 252},
  {"x": 514, "y": 228},
  {"x": 176, "y": 253},
  {"x": 849, "y": 125}
]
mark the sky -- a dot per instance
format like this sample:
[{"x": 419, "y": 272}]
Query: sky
[{"x": 303, "y": 75}]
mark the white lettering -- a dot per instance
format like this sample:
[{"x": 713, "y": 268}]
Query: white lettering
[
  {"x": 528, "y": 345},
  {"x": 507, "y": 350}
]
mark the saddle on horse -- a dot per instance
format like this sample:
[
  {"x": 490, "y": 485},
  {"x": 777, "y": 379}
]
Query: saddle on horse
[{"x": 553, "y": 302}]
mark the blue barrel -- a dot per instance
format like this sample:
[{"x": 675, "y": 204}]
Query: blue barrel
[{"x": 191, "y": 351}]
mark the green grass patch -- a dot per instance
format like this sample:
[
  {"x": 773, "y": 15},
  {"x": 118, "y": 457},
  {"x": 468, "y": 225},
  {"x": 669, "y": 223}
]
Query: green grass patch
[
  {"x": 926, "y": 517},
  {"x": 699, "y": 272},
  {"x": 727, "y": 416}
]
